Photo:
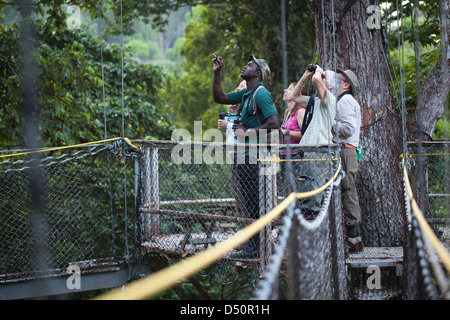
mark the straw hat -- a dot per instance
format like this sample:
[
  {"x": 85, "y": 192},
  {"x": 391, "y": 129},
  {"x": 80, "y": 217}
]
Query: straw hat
[{"x": 351, "y": 78}]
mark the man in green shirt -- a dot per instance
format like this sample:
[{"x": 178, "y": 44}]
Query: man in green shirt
[
  {"x": 265, "y": 117},
  {"x": 253, "y": 73}
]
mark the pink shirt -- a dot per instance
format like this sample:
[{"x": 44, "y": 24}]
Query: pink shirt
[{"x": 291, "y": 125}]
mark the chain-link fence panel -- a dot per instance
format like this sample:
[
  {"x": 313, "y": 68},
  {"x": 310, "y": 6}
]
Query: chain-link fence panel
[
  {"x": 429, "y": 165},
  {"x": 314, "y": 255},
  {"x": 76, "y": 211},
  {"x": 199, "y": 194}
]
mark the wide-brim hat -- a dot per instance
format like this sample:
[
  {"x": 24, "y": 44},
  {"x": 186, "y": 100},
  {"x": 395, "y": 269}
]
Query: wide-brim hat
[
  {"x": 351, "y": 78},
  {"x": 262, "y": 64}
]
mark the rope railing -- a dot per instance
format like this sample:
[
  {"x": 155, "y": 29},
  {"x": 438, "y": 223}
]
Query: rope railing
[
  {"x": 441, "y": 251},
  {"x": 69, "y": 147},
  {"x": 163, "y": 279},
  {"x": 433, "y": 252}
]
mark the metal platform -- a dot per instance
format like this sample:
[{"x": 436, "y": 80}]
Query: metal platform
[
  {"x": 385, "y": 258},
  {"x": 94, "y": 274},
  {"x": 381, "y": 294},
  {"x": 378, "y": 256}
]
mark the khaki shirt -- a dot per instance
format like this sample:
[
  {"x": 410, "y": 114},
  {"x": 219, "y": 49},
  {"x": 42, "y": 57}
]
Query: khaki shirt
[{"x": 346, "y": 127}]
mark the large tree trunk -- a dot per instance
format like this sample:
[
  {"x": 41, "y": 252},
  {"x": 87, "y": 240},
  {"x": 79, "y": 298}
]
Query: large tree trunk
[
  {"x": 435, "y": 87},
  {"x": 379, "y": 179}
]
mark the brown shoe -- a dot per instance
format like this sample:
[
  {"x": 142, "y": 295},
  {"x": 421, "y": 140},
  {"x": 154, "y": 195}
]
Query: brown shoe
[
  {"x": 360, "y": 244},
  {"x": 353, "y": 245}
]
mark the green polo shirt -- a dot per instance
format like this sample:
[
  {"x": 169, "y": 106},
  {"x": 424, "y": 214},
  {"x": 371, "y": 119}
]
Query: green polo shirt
[{"x": 264, "y": 104}]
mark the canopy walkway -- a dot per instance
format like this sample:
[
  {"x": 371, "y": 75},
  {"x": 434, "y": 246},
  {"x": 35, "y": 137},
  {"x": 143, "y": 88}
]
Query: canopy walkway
[{"x": 145, "y": 215}]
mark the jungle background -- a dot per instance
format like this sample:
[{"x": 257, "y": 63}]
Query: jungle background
[
  {"x": 167, "y": 68},
  {"x": 167, "y": 63}
]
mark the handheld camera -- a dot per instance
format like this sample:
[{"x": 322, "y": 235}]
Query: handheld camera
[{"x": 221, "y": 64}]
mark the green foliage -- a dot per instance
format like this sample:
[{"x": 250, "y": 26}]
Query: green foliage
[
  {"x": 159, "y": 47},
  {"x": 239, "y": 285},
  {"x": 140, "y": 48},
  {"x": 443, "y": 125},
  {"x": 402, "y": 31},
  {"x": 234, "y": 31},
  {"x": 71, "y": 108}
]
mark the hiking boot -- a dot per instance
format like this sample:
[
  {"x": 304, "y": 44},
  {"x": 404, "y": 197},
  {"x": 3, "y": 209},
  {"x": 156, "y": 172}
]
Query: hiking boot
[
  {"x": 353, "y": 245},
  {"x": 360, "y": 244}
]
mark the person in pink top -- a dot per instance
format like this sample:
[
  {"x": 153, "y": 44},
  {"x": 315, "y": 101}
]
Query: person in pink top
[
  {"x": 291, "y": 128},
  {"x": 293, "y": 119}
]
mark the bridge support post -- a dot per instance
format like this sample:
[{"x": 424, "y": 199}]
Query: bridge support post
[
  {"x": 267, "y": 201},
  {"x": 150, "y": 194}
]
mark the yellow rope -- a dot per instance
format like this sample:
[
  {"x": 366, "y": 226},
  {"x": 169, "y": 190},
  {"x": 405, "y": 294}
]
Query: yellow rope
[
  {"x": 441, "y": 251},
  {"x": 409, "y": 155},
  {"x": 165, "y": 278},
  {"x": 278, "y": 159},
  {"x": 67, "y": 147}
]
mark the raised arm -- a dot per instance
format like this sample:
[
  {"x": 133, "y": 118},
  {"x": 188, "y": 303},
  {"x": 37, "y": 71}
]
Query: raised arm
[
  {"x": 319, "y": 84},
  {"x": 296, "y": 94},
  {"x": 218, "y": 95}
]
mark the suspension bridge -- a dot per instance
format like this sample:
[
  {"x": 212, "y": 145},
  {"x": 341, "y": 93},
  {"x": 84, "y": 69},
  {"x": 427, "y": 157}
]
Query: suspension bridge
[{"x": 122, "y": 214}]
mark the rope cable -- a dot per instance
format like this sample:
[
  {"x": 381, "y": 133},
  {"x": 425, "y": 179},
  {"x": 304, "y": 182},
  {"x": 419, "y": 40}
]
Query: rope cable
[
  {"x": 58, "y": 148},
  {"x": 441, "y": 251},
  {"x": 123, "y": 102},
  {"x": 103, "y": 69},
  {"x": 111, "y": 206},
  {"x": 383, "y": 116},
  {"x": 127, "y": 253},
  {"x": 401, "y": 66}
]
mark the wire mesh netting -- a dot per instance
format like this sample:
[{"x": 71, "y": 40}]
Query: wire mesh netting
[
  {"x": 80, "y": 213},
  {"x": 177, "y": 199},
  {"x": 314, "y": 255},
  {"x": 191, "y": 202},
  {"x": 431, "y": 179},
  {"x": 185, "y": 207},
  {"x": 427, "y": 165}
]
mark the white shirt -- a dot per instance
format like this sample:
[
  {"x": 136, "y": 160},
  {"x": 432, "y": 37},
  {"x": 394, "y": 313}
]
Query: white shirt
[
  {"x": 231, "y": 138},
  {"x": 319, "y": 129}
]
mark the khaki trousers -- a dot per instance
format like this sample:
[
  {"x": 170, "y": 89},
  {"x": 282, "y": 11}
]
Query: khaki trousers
[{"x": 350, "y": 201}]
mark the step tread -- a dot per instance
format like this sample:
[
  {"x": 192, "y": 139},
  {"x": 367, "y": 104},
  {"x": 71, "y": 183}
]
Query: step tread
[{"x": 379, "y": 256}]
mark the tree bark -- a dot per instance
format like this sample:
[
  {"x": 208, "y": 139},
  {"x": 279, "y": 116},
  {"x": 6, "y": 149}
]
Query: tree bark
[
  {"x": 435, "y": 87},
  {"x": 354, "y": 46}
]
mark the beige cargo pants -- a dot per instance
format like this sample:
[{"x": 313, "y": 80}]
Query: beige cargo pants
[{"x": 350, "y": 201}]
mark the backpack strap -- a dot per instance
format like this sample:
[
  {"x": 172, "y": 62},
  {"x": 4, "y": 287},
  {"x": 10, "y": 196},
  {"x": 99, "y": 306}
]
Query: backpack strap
[
  {"x": 308, "y": 113},
  {"x": 279, "y": 137},
  {"x": 242, "y": 104},
  {"x": 254, "y": 104}
]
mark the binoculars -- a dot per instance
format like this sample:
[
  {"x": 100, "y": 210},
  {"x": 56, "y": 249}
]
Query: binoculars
[{"x": 312, "y": 67}]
